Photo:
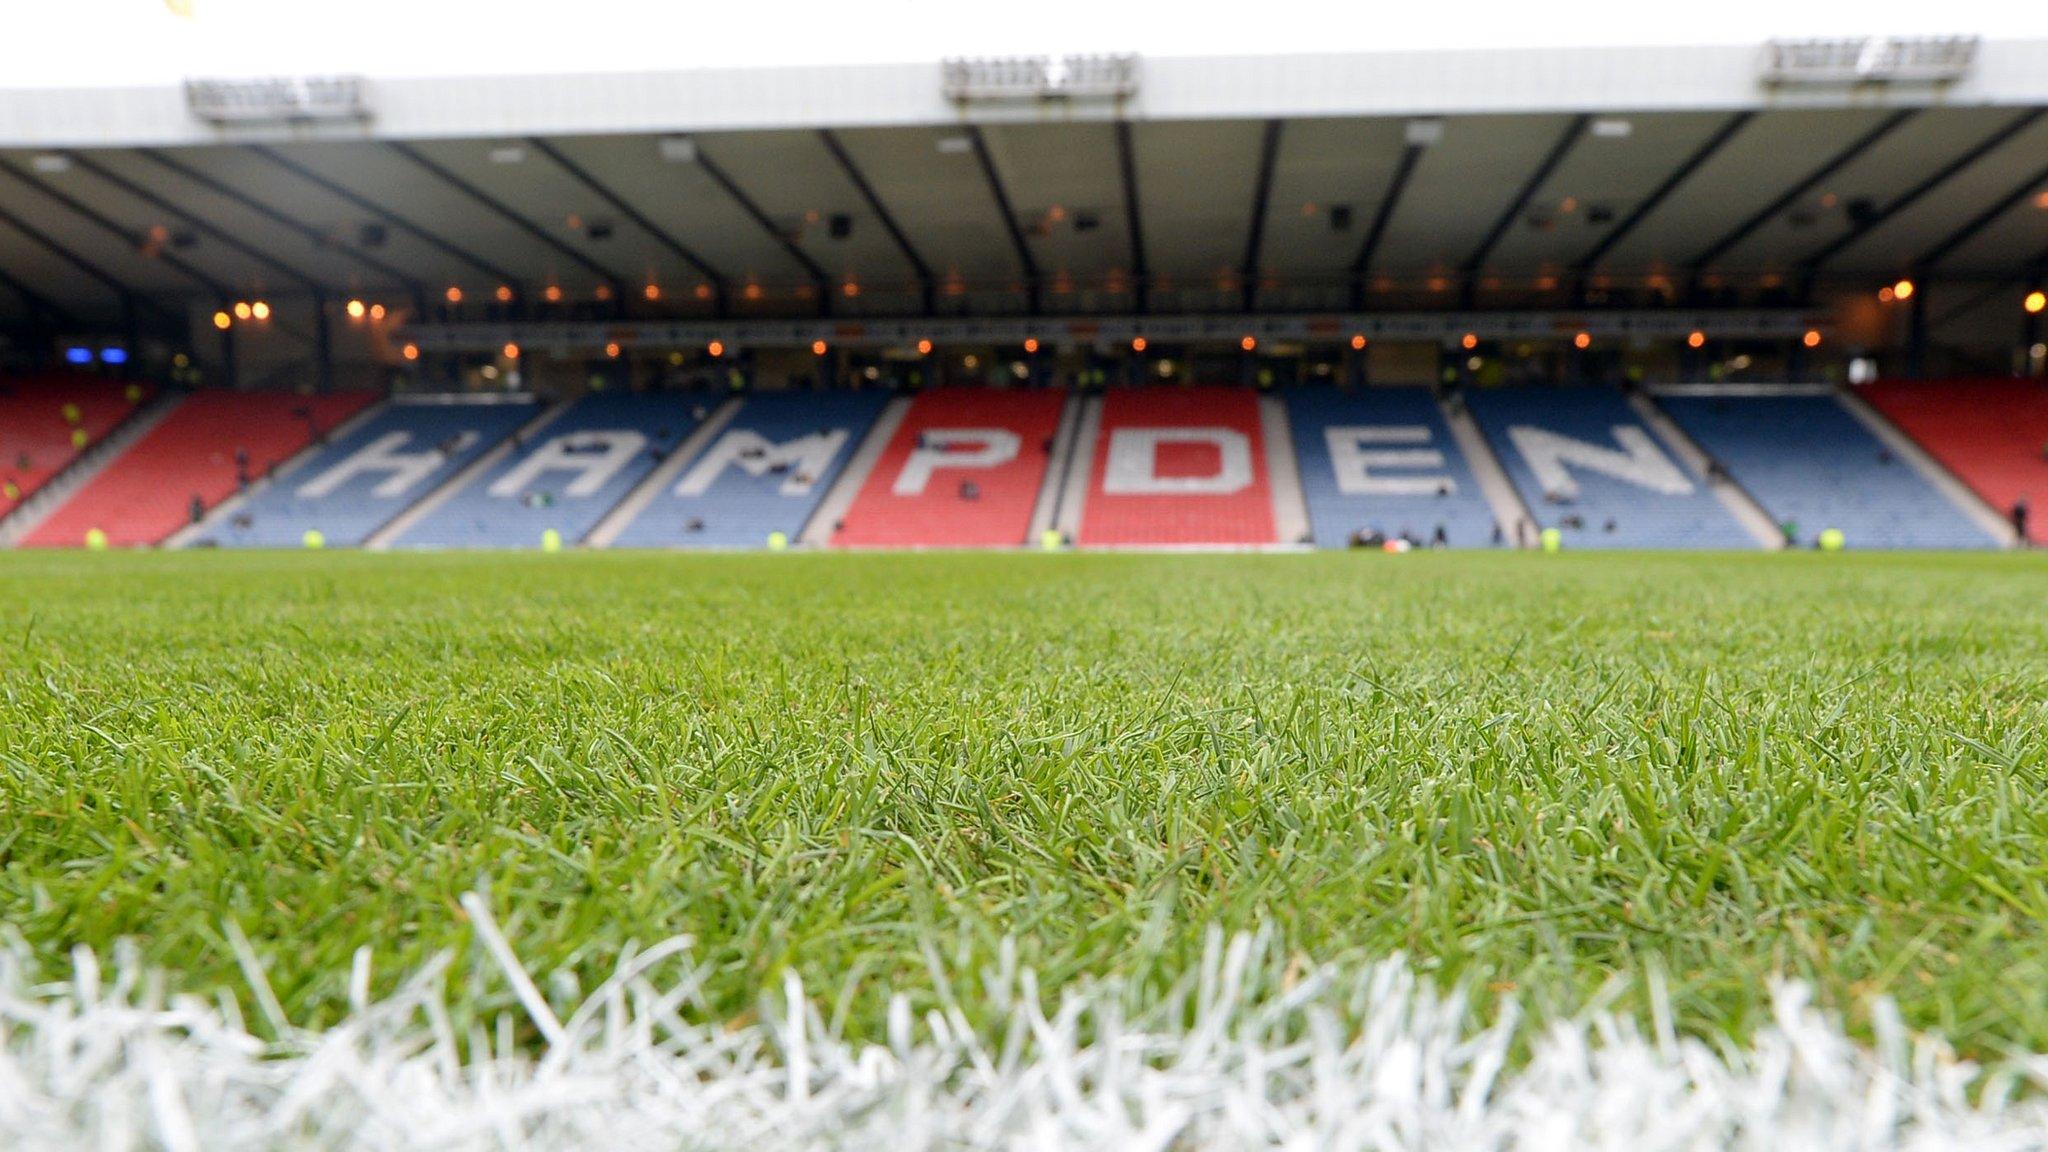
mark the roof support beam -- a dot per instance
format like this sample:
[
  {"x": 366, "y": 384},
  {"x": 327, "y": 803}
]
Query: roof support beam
[
  {"x": 105, "y": 278},
  {"x": 38, "y": 302},
  {"x": 1134, "y": 220},
  {"x": 1001, "y": 196},
  {"x": 1768, "y": 212},
  {"x": 620, "y": 205},
  {"x": 504, "y": 211},
  {"x": 312, "y": 235},
  {"x": 820, "y": 281},
  {"x": 378, "y": 211},
  {"x": 1556, "y": 155},
  {"x": 1948, "y": 244},
  {"x": 151, "y": 198},
  {"x": 1361, "y": 267},
  {"x": 1810, "y": 268},
  {"x": 925, "y": 287},
  {"x": 219, "y": 290},
  {"x": 1693, "y": 163},
  {"x": 1262, "y": 193}
]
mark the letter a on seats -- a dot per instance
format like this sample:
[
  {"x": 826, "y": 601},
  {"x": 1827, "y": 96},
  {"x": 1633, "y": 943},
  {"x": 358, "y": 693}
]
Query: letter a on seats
[
  {"x": 1133, "y": 468},
  {"x": 954, "y": 448},
  {"x": 595, "y": 457},
  {"x": 381, "y": 457},
  {"x": 1638, "y": 462}
]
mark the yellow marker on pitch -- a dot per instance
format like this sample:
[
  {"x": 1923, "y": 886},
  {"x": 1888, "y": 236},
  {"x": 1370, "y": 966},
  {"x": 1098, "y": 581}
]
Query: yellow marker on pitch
[
  {"x": 778, "y": 542},
  {"x": 95, "y": 540},
  {"x": 1553, "y": 540},
  {"x": 1831, "y": 540},
  {"x": 551, "y": 541},
  {"x": 1051, "y": 540},
  {"x": 313, "y": 540}
]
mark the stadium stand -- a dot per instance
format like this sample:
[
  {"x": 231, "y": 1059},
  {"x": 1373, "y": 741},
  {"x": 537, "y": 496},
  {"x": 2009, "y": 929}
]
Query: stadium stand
[
  {"x": 358, "y": 482},
  {"x": 1585, "y": 465},
  {"x": 1991, "y": 434},
  {"x": 204, "y": 451},
  {"x": 574, "y": 471},
  {"x": 41, "y": 421},
  {"x": 765, "y": 472},
  {"x": 1813, "y": 467},
  {"x": 1179, "y": 466},
  {"x": 963, "y": 471},
  {"x": 1383, "y": 460}
]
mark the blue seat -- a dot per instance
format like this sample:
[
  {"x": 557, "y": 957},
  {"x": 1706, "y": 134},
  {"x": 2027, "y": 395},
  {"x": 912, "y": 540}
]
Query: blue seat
[
  {"x": 1811, "y": 463},
  {"x": 1395, "y": 467},
  {"x": 359, "y": 482},
  {"x": 765, "y": 472},
  {"x": 1585, "y": 464},
  {"x": 573, "y": 470}
]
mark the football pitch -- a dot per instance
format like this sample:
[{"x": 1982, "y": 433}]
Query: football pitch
[{"x": 1649, "y": 784}]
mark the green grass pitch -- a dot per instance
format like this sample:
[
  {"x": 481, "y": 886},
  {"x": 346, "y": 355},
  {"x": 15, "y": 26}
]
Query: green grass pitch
[{"x": 1531, "y": 774}]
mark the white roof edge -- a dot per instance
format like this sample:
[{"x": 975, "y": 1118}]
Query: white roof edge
[{"x": 1408, "y": 83}]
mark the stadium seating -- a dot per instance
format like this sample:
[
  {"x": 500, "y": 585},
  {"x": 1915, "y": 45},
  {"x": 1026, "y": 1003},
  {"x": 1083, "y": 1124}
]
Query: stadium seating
[
  {"x": 1585, "y": 465},
  {"x": 963, "y": 471},
  {"x": 1992, "y": 434},
  {"x": 40, "y": 421},
  {"x": 1382, "y": 459},
  {"x": 1179, "y": 466},
  {"x": 1813, "y": 466},
  {"x": 357, "y": 483},
  {"x": 766, "y": 471},
  {"x": 574, "y": 470},
  {"x": 147, "y": 493}
]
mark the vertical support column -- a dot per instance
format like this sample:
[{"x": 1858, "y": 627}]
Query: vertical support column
[
  {"x": 323, "y": 342},
  {"x": 230, "y": 365},
  {"x": 1916, "y": 335}
]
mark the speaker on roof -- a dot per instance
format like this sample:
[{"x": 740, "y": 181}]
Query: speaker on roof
[
  {"x": 840, "y": 226},
  {"x": 371, "y": 236},
  {"x": 1862, "y": 211},
  {"x": 1340, "y": 217},
  {"x": 599, "y": 230}
]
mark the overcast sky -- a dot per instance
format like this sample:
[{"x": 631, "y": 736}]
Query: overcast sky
[{"x": 97, "y": 42}]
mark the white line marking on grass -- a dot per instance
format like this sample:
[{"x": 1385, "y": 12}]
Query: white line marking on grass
[{"x": 1250, "y": 1051}]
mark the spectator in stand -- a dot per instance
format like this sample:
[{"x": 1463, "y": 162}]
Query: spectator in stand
[
  {"x": 2019, "y": 519},
  {"x": 198, "y": 508}
]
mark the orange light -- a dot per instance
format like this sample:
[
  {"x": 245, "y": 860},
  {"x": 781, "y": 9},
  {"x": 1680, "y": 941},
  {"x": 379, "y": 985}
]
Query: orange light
[
  {"x": 1885, "y": 294},
  {"x": 752, "y": 292},
  {"x": 2035, "y": 301},
  {"x": 412, "y": 351},
  {"x": 604, "y": 292},
  {"x": 850, "y": 289},
  {"x": 241, "y": 309},
  {"x": 221, "y": 320},
  {"x": 504, "y": 293},
  {"x": 612, "y": 350},
  {"x": 1583, "y": 340},
  {"x": 454, "y": 294},
  {"x": 652, "y": 291},
  {"x": 511, "y": 351},
  {"x": 356, "y": 309},
  {"x": 553, "y": 292},
  {"x": 376, "y": 311},
  {"x": 1138, "y": 344},
  {"x": 717, "y": 348},
  {"x": 817, "y": 347},
  {"x": 1697, "y": 340},
  {"x": 1358, "y": 342},
  {"x": 260, "y": 310},
  {"x": 1248, "y": 343},
  {"x": 1470, "y": 341},
  {"x": 924, "y": 347},
  {"x": 1031, "y": 345},
  {"x": 703, "y": 291},
  {"x": 1812, "y": 338},
  {"x": 1903, "y": 290}
]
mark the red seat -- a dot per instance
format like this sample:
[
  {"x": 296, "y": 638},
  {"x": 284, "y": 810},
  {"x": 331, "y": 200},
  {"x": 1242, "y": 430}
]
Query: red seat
[
  {"x": 1993, "y": 434},
  {"x": 40, "y": 418},
  {"x": 146, "y": 494},
  {"x": 1175, "y": 446},
  {"x": 972, "y": 505}
]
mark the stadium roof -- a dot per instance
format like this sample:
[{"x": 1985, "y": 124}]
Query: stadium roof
[{"x": 1259, "y": 183}]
